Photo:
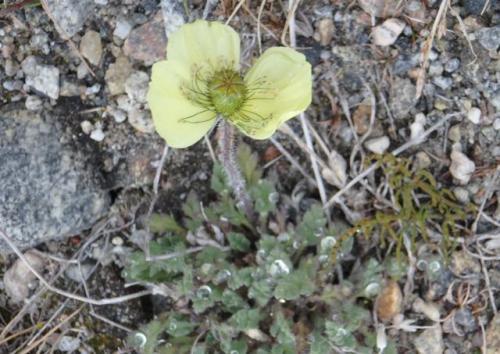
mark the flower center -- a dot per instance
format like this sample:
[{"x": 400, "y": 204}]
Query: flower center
[{"x": 227, "y": 91}]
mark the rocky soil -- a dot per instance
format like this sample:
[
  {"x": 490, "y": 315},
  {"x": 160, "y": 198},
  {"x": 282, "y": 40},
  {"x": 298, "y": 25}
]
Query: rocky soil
[{"x": 78, "y": 150}]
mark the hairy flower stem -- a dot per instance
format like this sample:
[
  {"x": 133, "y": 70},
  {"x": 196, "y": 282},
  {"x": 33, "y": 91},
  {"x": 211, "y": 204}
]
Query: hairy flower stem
[{"x": 227, "y": 156}]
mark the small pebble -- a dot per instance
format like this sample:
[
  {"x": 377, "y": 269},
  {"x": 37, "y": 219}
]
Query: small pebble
[
  {"x": 33, "y": 103},
  {"x": 422, "y": 160},
  {"x": 442, "y": 82},
  {"x": 141, "y": 120},
  {"x": 136, "y": 86},
  {"x": 455, "y": 133},
  {"x": 474, "y": 115},
  {"x": 86, "y": 127},
  {"x": 325, "y": 30},
  {"x": 435, "y": 69},
  {"x": 118, "y": 115},
  {"x": 122, "y": 29},
  {"x": 452, "y": 65},
  {"x": 97, "y": 134},
  {"x": 378, "y": 145},
  {"x": 91, "y": 47},
  {"x": 417, "y": 128},
  {"x": 496, "y": 124},
  {"x": 461, "y": 194},
  {"x": 388, "y": 32},
  {"x": 117, "y": 74},
  {"x": 461, "y": 167},
  {"x": 117, "y": 241}
]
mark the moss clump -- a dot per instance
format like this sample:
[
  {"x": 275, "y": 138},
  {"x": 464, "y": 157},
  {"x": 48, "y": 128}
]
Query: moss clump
[{"x": 419, "y": 205}]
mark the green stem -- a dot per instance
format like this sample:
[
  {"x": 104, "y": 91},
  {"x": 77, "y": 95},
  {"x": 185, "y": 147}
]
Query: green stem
[{"x": 227, "y": 156}]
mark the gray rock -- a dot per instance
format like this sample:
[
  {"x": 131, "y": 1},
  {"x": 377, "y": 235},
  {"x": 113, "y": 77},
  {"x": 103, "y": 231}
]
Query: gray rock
[
  {"x": 137, "y": 86},
  {"x": 489, "y": 37},
  {"x": 402, "y": 98},
  {"x": 117, "y": 74},
  {"x": 473, "y": 7},
  {"x": 43, "y": 78},
  {"x": 70, "y": 15},
  {"x": 122, "y": 29},
  {"x": 33, "y": 103},
  {"x": 148, "y": 42},
  {"x": 430, "y": 341},
  {"x": 442, "y": 82},
  {"x": 452, "y": 65},
  {"x": 68, "y": 344},
  {"x": 91, "y": 47},
  {"x": 495, "y": 100},
  {"x": 49, "y": 190},
  {"x": 378, "y": 145}
]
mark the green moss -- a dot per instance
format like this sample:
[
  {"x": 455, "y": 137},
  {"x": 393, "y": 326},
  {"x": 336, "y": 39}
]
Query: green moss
[{"x": 419, "y": 205}]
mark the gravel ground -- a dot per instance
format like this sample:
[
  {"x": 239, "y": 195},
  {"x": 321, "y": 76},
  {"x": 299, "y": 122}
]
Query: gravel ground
[{"x": 77, "y": 143}]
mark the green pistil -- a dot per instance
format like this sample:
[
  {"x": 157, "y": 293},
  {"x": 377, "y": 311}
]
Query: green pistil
[{"x": 227, "y": 91}]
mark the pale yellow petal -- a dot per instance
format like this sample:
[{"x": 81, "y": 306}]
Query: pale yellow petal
[
  {"x": 176, "y": 119},
  {"x": 280, "y": 85},
  {"x": 205, "y": 44}
]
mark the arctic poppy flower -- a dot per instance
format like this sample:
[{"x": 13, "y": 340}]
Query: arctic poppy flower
[{"x": 201, "y": 80}]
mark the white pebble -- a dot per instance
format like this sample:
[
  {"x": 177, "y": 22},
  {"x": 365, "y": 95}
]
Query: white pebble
[
  {"x": 496, "y": 124},
  {"x": 387, "y": 33},
  {"x": 474, "y": 115},
  {"x": 86, "y": 127},
  {"x": 122, "y": 29},
  {"x": 117, "y": 241},
  {"x": 378, "y": 145},
  {"x": 461, "y": 167},
  {"x": 417, "y": 127},
  {"x": 33, "y": 103},
  {"x": 97, "y": 134},
  {"x": 118, "y": 115}
]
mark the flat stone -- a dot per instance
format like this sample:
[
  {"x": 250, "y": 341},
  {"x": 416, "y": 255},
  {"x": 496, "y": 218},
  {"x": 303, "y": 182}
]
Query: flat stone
[
  {"x": 402, "y": 98},
  {"x": 148, "y": 42},
  {"x": 91, "y": 47},
  {"x": 49, "y": 189},
  {"x": 42, "y": 78},
  {"x": 489, "y": 37},
  {"x": 70, "y": 15},
  {"x": 117, "y": 74}
]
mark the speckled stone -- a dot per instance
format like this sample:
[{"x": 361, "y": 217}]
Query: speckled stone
[
  {"x": 49, "y": 190},
  {"x": 70, "y": 15},
  {"x": 148, "y": 42}
]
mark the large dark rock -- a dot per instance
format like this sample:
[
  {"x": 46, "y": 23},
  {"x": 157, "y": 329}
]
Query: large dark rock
[{"x": 50, "y": 189}]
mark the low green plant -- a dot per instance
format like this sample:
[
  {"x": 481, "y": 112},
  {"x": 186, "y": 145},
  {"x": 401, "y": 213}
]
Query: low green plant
[
  {"x": 419, "y": 204},
  {"x": 260, "y": 286}
]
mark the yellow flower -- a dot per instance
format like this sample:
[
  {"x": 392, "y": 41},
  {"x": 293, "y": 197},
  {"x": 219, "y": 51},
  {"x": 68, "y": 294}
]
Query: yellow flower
[{"x": 201, "y": 80}]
